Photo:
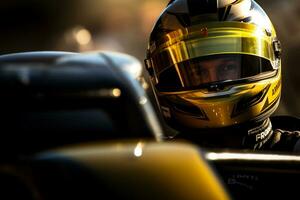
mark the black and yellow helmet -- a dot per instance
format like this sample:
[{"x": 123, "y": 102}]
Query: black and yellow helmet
[{"x": 214, "y": 63}]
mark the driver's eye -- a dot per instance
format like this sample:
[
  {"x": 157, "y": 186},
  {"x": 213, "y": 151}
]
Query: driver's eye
[
  {"x": 202, "y": 73},
  {"x": 199, "y": 74},
  {"x": 198, "y": 71},
  {"x": 227, "y": 68},
  {"x": 227, "y": 71}
]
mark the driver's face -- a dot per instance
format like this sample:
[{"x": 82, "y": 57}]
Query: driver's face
[{"x": 218, "y": 69}]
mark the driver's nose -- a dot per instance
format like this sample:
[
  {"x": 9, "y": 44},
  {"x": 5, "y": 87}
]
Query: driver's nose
[{"x": 212, "y": 74}]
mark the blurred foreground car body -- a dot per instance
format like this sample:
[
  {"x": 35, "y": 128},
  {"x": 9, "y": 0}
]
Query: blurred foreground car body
[
  {"x": 54, "y": 104},
  {"x": 54, "y": 98}
]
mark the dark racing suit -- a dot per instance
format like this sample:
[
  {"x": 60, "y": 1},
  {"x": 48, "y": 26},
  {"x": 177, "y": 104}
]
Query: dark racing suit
[
  {"x": 280, "y": 133},
  {"x": 286, "y": 134}
]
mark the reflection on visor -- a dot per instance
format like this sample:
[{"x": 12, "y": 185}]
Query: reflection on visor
[
  {"x": 220, "y": 38},
  {"x": 209, "y": 69}
]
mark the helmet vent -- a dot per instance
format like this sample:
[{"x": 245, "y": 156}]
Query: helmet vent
[
  {"x": 191, "y": 110},
  {"x": 244, "y": 104}
]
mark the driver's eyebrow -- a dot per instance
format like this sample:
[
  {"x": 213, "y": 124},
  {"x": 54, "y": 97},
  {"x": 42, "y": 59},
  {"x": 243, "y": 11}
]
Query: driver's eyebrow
[
  {"x": 226, "y": 61},
  {"x": 196, "y": 66}
]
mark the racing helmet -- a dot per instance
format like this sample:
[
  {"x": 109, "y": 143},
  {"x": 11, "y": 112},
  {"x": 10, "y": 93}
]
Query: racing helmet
[{"x": 214, "y": 63}]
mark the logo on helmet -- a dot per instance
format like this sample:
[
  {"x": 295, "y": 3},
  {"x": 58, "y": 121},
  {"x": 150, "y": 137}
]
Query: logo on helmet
[{"x": 204, "y": 32}]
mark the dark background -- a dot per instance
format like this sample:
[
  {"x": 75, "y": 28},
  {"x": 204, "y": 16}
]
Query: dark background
[{"x": 124, "y": 25}]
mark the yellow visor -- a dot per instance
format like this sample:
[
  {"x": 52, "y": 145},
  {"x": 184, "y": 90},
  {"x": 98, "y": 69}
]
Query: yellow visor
[{"x": 210, "y": 39}]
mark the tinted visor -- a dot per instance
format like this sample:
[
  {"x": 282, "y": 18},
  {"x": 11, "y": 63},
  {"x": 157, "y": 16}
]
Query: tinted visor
[
  {"x": 211, "y": 52},
  {"x": 210, "y": 69}
]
